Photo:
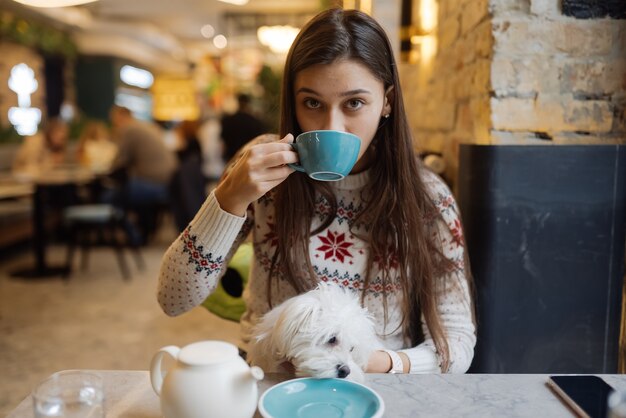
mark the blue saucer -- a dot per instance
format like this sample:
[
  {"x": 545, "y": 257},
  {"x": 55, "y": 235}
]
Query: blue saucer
[{"x": 314, "y": 398}]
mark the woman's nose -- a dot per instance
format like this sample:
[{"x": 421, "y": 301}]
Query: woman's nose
[{"x": 334, "y": 121}]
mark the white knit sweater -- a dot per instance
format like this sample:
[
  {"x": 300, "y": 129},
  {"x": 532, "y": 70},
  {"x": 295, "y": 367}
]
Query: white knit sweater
[{"x": 193, "y": 264}]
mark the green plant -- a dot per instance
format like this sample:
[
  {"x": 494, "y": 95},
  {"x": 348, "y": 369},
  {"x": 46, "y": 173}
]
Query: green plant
[
  {"x": 48, "y": 40},
  {"x": 271, "y": 83},
  {"x": 8, "y": 135}
]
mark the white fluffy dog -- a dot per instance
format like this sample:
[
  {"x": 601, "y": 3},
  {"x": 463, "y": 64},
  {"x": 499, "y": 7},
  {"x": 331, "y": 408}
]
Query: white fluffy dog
[{"x": 322, "y": 333}]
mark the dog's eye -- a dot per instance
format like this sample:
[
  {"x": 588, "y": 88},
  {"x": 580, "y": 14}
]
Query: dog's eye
[
  {"x": 351, "y": 349},
  {"x": 332, "y": 341}
]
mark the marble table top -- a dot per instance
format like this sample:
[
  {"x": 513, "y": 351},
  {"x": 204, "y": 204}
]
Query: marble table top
[{"x": 129, "y": 394}]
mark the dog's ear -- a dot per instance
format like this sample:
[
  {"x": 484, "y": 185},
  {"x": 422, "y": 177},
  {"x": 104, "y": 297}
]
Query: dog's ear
[
  {"x": 260, "y": 351},
  {"x": 262, "y": 332},
  {"x": 275, "y": 334},
  {"x": 294, "y": 316}
]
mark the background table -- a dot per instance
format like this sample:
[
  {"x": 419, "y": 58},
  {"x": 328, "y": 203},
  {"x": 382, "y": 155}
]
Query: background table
[
  {"x": 45, "y": 185},
  {"x": 129, "y": 394},
  {"x": 14, "y": 190}
]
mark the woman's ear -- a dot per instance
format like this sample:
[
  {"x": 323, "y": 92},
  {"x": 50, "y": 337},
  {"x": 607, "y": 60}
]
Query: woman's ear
[{"x": 389, "y": 95}]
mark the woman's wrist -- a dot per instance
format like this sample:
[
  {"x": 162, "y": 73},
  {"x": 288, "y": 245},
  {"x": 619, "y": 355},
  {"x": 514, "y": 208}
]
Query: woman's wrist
[
  {"x": 381, "y": 362},
  {"x": 226, "y": 203}
]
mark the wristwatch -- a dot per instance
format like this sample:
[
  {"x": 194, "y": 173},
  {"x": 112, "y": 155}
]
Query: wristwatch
[{"x": 396, "y": 362}]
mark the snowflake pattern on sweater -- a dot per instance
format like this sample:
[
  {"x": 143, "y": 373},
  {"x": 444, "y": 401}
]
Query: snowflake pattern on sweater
[
  {"x": 335, "y": 246},
  {"x": 194, "y": 263}
]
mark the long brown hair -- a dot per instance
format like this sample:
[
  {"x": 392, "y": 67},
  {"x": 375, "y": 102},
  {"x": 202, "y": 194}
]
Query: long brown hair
[{"x": 397, "y": 208}]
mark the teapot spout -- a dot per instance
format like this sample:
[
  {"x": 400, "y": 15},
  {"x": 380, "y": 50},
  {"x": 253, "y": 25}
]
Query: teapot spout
[{"x": 256, "y": 373}]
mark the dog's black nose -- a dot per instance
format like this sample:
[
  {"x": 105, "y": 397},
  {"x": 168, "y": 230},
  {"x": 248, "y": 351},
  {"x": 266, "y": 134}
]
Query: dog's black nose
[{"x": 342, "y": 371}]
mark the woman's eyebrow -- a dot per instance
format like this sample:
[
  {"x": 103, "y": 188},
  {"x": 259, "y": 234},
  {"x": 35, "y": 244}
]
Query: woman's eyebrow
[
  {"x": 356, "y": 91},
  {"x": 307, "y": 90},
  {"x": 345, "y": 93}
]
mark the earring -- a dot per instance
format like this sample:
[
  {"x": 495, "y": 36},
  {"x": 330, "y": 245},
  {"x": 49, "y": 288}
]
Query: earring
[{"x": 387, "y": 116}]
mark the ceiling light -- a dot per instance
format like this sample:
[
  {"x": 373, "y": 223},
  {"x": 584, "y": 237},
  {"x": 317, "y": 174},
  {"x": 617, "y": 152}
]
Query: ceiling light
[
  {"x": 53, "y": 3},
  {"x": 428, "y": 15},
  {"x": 138, "y": 77},
  {"x": 220, "y": 41},
  {"x": 207, "y": 31},
  {"x": 277, "y": 38},
  {"x": 236, "y": 2}
]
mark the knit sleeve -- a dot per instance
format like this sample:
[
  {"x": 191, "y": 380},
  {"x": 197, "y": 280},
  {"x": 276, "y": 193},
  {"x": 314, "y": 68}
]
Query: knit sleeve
[
  {"x": 197, "y": 259},
  {"x": 454, "y": 302}
]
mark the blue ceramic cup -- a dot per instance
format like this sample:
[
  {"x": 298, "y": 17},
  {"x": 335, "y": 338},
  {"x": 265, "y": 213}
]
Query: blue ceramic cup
[{"x": 326, "y": 155}]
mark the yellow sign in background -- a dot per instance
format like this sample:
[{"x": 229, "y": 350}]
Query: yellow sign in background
[{"x": 174, "y": 99}]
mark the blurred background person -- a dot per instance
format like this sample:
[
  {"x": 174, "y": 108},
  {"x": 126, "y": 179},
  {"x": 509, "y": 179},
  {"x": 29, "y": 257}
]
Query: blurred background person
[
  {"x": 188, "y": 187},
  {"x": 240, "y": 127},
  {"x": 142, "y": 153},
  {"x": 40, "y": 154},
  {"x": 209, "y": 135},
  {"x": 43, "y": 151},
  {"x": 143, "y": 165},
  {"x": 95, "y": 149}
]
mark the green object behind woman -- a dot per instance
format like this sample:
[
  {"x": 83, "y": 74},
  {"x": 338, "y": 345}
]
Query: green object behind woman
[{"x": 226, "y": 301}]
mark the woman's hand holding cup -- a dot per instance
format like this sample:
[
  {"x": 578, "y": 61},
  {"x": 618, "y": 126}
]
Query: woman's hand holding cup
[{"x": 259, "y": 169}]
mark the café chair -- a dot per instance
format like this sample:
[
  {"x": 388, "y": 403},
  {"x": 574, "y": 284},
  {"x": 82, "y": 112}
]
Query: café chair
[
  {"x": 107, "y": 223},
  {"x": 227, "y": 301}
]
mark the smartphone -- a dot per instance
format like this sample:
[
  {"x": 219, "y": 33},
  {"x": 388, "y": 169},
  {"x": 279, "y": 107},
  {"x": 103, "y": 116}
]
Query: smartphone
[{"x": 586, "y": 395}]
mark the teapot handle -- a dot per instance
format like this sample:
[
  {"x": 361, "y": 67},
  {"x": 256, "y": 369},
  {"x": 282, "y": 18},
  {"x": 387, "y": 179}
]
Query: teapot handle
[{"x": 156, "y": 372}]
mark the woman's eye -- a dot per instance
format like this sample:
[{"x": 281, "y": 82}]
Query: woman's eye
[
  {"x": 355, "y": 104},
  {"x": 312, "y": 103},
  {"x": 332, "y": 340}
]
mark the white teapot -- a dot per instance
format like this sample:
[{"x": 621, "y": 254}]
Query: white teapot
[{"x": 209, "y": 379}]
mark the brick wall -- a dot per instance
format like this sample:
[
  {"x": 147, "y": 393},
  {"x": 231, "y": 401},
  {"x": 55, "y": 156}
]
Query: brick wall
[
  {"x": 518, "y": 71},
  {"x": 448, "y": 98},
  {"x": 556, "y": 79}
]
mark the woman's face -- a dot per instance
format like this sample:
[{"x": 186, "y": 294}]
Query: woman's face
[
  {"x": 57, "y": 137},
  {"x": 342, "y": 96}
]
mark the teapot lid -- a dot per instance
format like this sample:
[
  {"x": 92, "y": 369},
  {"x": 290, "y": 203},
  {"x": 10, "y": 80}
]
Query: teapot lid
[{"x": 205, "y": 353}]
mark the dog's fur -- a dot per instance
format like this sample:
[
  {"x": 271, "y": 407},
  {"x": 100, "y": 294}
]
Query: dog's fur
[{"x": 322, "y": 333}]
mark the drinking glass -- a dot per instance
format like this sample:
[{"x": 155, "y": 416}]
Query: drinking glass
[{"x": 70, "y": 394}]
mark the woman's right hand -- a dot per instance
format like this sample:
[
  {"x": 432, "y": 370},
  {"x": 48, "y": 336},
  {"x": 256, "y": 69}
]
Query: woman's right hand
[{"x": 260, "y": 168}]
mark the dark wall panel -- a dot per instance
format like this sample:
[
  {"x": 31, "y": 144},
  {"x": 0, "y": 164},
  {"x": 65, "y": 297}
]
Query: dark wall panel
[
  {"x": 545, "y": 228},
  {"x": 96, "y": 81},
  {"x": 55, "y": 84}
]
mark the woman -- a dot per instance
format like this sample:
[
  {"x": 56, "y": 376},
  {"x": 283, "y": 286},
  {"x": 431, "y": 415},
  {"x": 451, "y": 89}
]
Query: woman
[
  {"x": 44, "y": 151},
  {"x": 390, "y": 230},
  {"x": 95, "y": 147},
  {"x": 188, "y": 185}
]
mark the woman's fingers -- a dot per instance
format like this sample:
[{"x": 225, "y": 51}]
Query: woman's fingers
[
  {"x": 259, "y": 169},
  {"x": 269, "y": 147},
  {"x": 277, "y": 159},
  {"x": 288, "y": 139},
  {"x": 273, "y": 154},
  {"x": 263, "y": 149},
  {"x": 274, "y": 174}
]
